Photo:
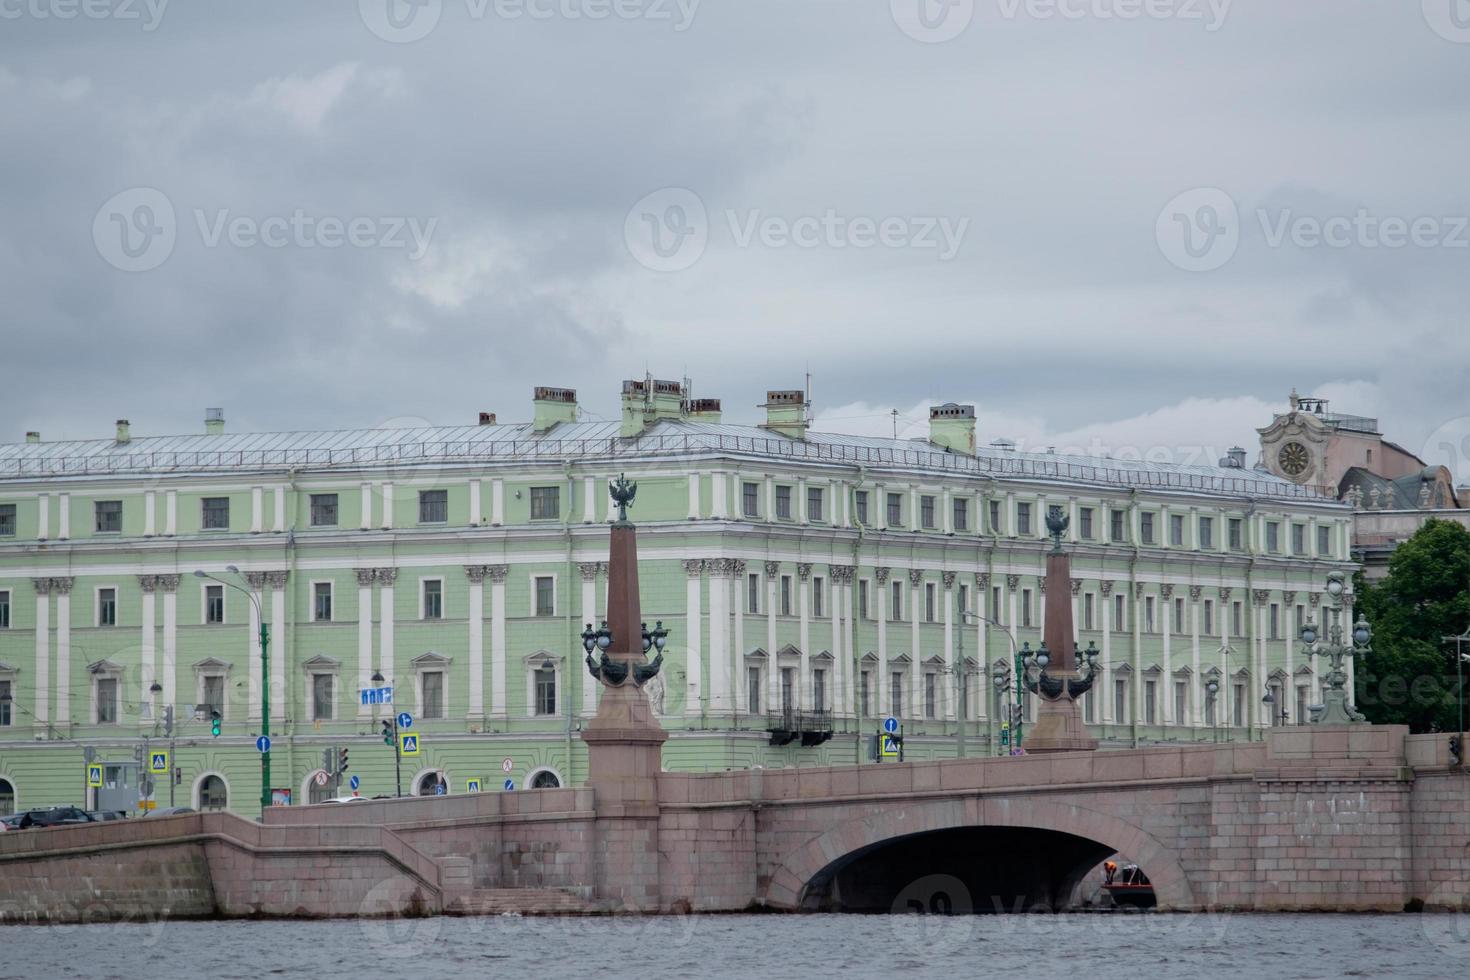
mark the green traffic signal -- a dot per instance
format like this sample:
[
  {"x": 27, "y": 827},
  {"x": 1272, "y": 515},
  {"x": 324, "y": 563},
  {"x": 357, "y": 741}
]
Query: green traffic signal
[
  {"x": 387, "y": 733},
  {"x": 214, "y": 723}
]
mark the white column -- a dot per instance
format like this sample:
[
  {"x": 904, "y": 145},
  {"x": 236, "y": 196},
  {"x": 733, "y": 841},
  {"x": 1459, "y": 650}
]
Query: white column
[
  {"x": 170, "y": 586},
  {"x": 474, "y": 487},
  {"x": 880, "y": 596},
  {"x": 279, "y": 644},
  {"x": 365, "y": 578},
  {"x": 387, "y": 578},
  {"x": 63, "y": 516},
  {"x": 913, "y": 508},
  {"x": 718, "y": 506},
  {"x": 839, "y": 655},
  {"x": 150, "y": 514},
  {"x": 737, "y": 651},
  {"x": 1105, "y": 699},
  {"x": 982, "y": 635},
  {"x": 916, "y": 666},
  {"x": 62, "y": 587},
  {"x": 497, "y": 503},
  {"x": 387, "y": 506},
  {"x": 1137, "y": 656},
  {"x": 947, "y": 506},
  {"x": 43, "y": 517},
  {"x": 278, "y": 519},
  {"x": 589, "y": 500},
  {"x": 42, "y": 709},
  {"x": 878, "y": 509},
  {"x": 476, "y": 611},
  {"x": 1166, "y": 602},
  {"x": 1197, "y": 696},
  {"x": 804, "y": 639},
  {"x": 257, "y": 509},
  {"x": 800, "y": 509},
  {"x": 770, "y": 499},
  {"x": 773, "y": 572},
  {"x": 693, "y": 495},
  {"x": 841, "y": 503},
  {"x": 693, "y": 627},
  {"x": 256, "y": 583},
  {"x": 589, "y": 615},
  {"x": 171, "y": 514},
  {"x": 365, "y": 494},
  {"x": 848, "y": 665},
  {"x": 719, "y": 625},
  {"x": 148, "y": 637},
  {"x": 951, "y": 708},
  {"x": 497, "y": 639}
]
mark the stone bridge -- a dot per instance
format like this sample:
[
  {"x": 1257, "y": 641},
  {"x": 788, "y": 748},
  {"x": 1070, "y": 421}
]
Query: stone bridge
[{"x": 1313, "y": 818}]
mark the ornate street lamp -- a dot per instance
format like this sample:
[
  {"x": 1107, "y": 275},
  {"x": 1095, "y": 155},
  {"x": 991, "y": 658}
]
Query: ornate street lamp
[
  {"x": 1212, "y": 691},
  {"x": 1336, "y": 710},
  {"x": 265, "y": 681}
]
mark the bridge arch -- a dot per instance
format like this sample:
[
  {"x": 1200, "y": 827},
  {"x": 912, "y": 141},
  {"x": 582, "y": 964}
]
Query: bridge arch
[{"x": 863, "y": 833}]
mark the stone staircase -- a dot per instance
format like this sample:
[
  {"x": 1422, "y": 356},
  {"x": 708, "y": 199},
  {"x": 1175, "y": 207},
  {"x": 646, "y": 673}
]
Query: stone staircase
[{"x": 525, "y": 901}]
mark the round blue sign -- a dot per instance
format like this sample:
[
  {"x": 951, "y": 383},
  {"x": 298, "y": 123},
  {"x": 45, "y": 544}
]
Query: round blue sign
[
  {"x": 263, "y": 744},
  {"x": 890, "y": 725},
  {"x": 355, "y": 782},
  {"x": 509, "y": 784},
  {"x": 405, "y": 720},
  {"x": 439, "y": 790}
]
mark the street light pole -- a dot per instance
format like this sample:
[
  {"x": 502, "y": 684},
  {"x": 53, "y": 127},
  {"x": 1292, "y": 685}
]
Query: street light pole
[
  {"x": 265, "y": 682},
  {"x": 1460, "y": 659},
  {"x": 1001, "y": 680}
]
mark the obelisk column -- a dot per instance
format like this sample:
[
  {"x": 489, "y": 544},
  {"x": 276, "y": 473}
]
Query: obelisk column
[{"x": 1059, "y": 726}]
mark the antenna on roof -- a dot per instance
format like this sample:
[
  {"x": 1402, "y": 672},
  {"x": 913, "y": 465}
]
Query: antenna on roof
[
  {"x": 809, "y": 399},
  {"x": 894, "y": 413}
]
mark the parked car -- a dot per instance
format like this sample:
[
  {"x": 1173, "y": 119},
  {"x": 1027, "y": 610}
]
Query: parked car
[
  {"x": 56, "y": 816},
  {"x": 169, "y": 811},
  {"x": 11, "y": 822},
  {"x": 346, "y": 799},
  {"x": 100, "y": 815}
]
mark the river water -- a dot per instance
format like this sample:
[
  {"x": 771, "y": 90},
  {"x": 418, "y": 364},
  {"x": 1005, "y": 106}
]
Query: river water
[{"x": 731, "y": 947}]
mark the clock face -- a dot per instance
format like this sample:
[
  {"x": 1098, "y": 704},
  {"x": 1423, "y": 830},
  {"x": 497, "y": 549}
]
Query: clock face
[{"x": 1294, "y": 459}]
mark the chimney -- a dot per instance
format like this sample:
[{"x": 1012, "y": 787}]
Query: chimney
[
  {"x": 1234, "y": 459},
  {"x": 952, "y": 427},
  {"x": 786, "y": 413},
  {"x": 32, "y": 438},
  {"x": 487, "y": 418},
  {"x": 703, "y": 410},
  {"x": 647, "y": 401},
  {"x": 554, "y": 406},
  {"x": 123, "y": 435},
  {"x": 214, "y": 421}
]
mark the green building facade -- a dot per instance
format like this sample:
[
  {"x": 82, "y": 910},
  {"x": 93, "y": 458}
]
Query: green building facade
[{"x": 812, "y": 583}]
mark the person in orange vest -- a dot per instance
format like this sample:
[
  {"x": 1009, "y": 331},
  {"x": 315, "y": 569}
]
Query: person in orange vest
[{"x": 1110, "y": 868}]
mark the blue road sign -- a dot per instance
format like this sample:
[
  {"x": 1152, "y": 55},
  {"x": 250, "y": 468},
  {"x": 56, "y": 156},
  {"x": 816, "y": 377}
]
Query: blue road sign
[
  {"x": 408, "y": 744},
  {"x": 262, "y": 744},
  {"x": 890, "y": 747},
  {"x": 890, "y": 725},
  {"x": 471, "y": 785},
  {"x": 158, "y": 762},
  {"x": 375, "y": 695},
  {"x": 94, "y": 775},
  {"x": 405, "y": 720},
  {"x": 439, "y": 789},
  {"x": 508, "y": 785},
  {"x": 355, "y": 781}
]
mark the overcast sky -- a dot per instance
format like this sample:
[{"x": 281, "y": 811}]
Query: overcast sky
[{"x": 1093, "y": 218}]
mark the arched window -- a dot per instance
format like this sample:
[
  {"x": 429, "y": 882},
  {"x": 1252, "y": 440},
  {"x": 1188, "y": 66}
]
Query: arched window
[
  {"x": 7, "y": 798},
  {"x": 212, "y": 794},
  {"x": 432, "y": 783},
  {"x": 545, "y": 779}
]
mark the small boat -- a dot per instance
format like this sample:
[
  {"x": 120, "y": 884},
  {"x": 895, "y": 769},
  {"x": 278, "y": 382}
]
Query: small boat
[{"x": 1129, "y": 886}]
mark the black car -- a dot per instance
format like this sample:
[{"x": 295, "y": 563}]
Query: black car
[
  {"x": 58, "y": 816},
  {"x": 100, "y": 815}
]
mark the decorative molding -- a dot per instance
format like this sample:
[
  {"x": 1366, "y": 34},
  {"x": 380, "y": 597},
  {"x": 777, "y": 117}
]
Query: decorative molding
[
  {"x": 881, "y": 573},
  {"x": 63, "y": 584},
  {"x": 148, "y": 583},
  {"x": 694, "y": 567},
  {"x": 1166, "y": 592},
  {"x": 1013, "y": 582},
  {"x": 982, "y": 580},
  {"x": 737, "y": 566},
  {"x": 1106, "y": 587},
  {"x": 476, "y": 573},
  {"x": 168, "y": 583},
  {"x": 1041, "y": 584},
  {"x": 803, "y": 570},
  {"x": 365, "y": 576},
  {"x": 256, "y": 580},
  {"x": 948, "y": 578},
  {"x": 1262, "y": 596},
  {"x": 277, "y": 580},
  {"x": 387, "y": 576},
  {"x": 41, "y": 585},
  {"x": 916, "y": 575},
  {"x": 1077, "y": 586},
  {"x": 589, "y": 570},
  {"x": 773, "y": 568},
  {"x": 1138, "y": 588},
  {"x": 496, "y": 573},
  {"x": 1195, "y": 591},
  {"x": 1288, "y": 598},
  {"x": 1225, "y": 592},
  {"x": 1315, "y": 598},
  {"x": 842, "y": 574}
]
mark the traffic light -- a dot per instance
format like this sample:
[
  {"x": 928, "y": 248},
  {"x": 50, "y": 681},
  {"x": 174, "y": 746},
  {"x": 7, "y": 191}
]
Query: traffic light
[
  {"x": 387, "y": 733},
  {"x": 168, "y": 719},
  {"x": 1457, "y": 750},
  {"x": 341, "y": 761},
  {"x": 214, "y": 721}
]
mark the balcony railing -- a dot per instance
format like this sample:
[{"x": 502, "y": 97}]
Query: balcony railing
[{"x": 811, "y": 727}]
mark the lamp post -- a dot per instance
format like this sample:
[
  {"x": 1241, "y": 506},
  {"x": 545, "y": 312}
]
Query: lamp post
[
  {"x": 389, "y": 733},
  {"x": 1336, "y": 710},
  {"x": 1460, "y": 660},
  {"x": 265, "y": 681},
  {"x": 1270, "y": 701},
  {"x": 1002, "y": 675},
  {"x": 1212, "y": 692},
  {"x": 156, "y": 689}
]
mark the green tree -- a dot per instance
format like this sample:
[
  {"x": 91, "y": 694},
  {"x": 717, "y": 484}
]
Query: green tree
[{"x": 1410, "y": 677}]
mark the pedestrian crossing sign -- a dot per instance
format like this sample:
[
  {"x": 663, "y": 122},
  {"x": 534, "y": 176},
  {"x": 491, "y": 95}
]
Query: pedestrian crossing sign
[
  {"x": 158, "y": 763},
  {"x": 471, "y": 785},
  {"x": 889, "y": 748},
  {"x": 408, "y": 743},
  {"x": 94, "y": 776}
]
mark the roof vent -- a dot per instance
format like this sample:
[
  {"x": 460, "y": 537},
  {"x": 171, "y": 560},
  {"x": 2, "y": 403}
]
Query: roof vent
[
  {"x": 214, "y": 421},
  {"x": 952, "y": 427},
  {"x": 124, "y": 433},
  {"x": 33, "y": 437},
  {"x": 554, "y": 406},
  {"x": 487, "y": 418},
  {"x": 1234, "y": 459},
  {"x": 786, "y": 413}
]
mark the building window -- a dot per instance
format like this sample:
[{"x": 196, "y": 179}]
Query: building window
[
  {"x": 4, "y": 610},
  {"x": 1149, "y": 625},
  {"x": 1236, "y": 532},
  {"x": 895, "y": 592},
  {"x": 1209, "y": 629},
  {"x": 1178, "y": 615},
  {"x": 1301, "y": 617},
  {"x": 1089, "y": 707},
  {"x": 814, "y": 503},
  {"x": 963, "y": 598},
  {"x": 997, "y": 612},
  {"x": 753, "y": 689},
  {"x": 1087, "y": 617},
  {"x": 1275, "y": 621},
  {"x": 865, "y": 707},
  {"x": 895, "y": 692},
  {"x": 860, "y": 504},
  {"x": 216, "y": 514},
  {"x": 819, "y": 689},
  {"x": 753, "y": 594},
  {"x": 324, "y": 510},
  {"x": 783, "y": 503},
  {"x": 926, "y": 512},
  {"x": 931, "y": 706},
  {"x": 7, "y": 520},
  {"x": 214, "y": 694},
  {"x": 1206, "y": 533},
  {"x": 863, "y": 599},
  {"x": 895, "y": 510},
  {"x": 433, "y": 684},
  {"x": 786, "y": 595},
  {"x": 545, "y": 587},
  {"x": 750, "y": 495},
  {"x": 819, "y": 597},
  {"x": 5, "y": 699},
  {"x": 545, "y": 503},
  {"x": 1237, "y": 619},
  {"x": 1146, "y": 528},
  {"x": 1181, "y": 703},
  {"x": 1176, "y": 530},
  {"x": 212, "y": 794},
  {"x": 1237, "y": 705},
  {"x": 434, "y": 506},
  {"x": 109, "y": 516},
  {"x": 1324, "y": 542},
  {"x": 1301, "y": 704},
  {"x": 433, "y": 599},
  {"x": 1025, "y": 607},
  {"x": 1119, "y": 529},
  {"x": 1150, "y": 700},
  {"x": 1299, "y": 539},
  {"x": 546, "y": 689},
  {"x": 322, "y": 706},
  {"x": 1023, "y": 519},
  {"x": 929, "y": 603},
  {"x": 788, "y": 689},
  {"x": 1120, "y": 701},
  {"x": 107, "y": 700},
  {"x": 1210, "y": 711},
  {"x": 321, "y": 602},
  {"x": 961, "y": 514},
  {"x": 1084, "y": 522},
  {"x": 1120, "y": 618},
  {"x": 1273, "y": 537},
  {"x": 106, "y": 607},
  {"x": 214, "y": 604},
  {"x": 995, "y": 517}
]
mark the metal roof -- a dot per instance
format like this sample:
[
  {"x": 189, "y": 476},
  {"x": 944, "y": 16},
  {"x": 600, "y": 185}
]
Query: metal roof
[{"x": 469, "y": 444}]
